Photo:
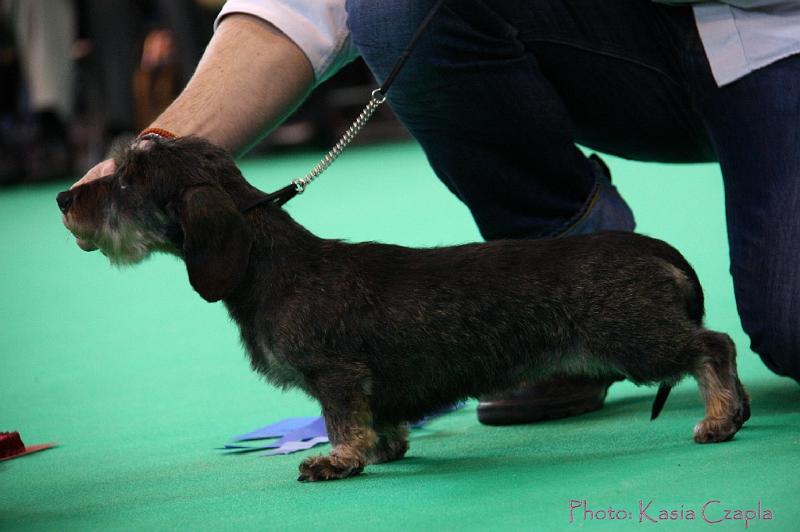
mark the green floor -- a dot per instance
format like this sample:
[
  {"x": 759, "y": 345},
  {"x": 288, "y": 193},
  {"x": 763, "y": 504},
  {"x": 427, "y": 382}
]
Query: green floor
[{"x": 139, "y": 380}]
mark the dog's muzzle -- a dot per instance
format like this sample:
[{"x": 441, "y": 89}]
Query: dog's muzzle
[{"x": 65, "y": 200}]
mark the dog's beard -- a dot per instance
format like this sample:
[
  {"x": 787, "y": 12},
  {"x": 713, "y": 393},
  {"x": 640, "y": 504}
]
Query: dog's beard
[
  {"x": 127, "y": 242},
  {"x": 124, "y": 246}
]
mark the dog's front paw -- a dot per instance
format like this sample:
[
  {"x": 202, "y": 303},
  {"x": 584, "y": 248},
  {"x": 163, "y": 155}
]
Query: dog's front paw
[
  {"x": 712, "y": 430},
  {"x": 328, "y": 468}
]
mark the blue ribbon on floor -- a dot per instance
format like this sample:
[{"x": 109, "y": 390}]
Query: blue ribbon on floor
[{"x": 301, "y": 433}]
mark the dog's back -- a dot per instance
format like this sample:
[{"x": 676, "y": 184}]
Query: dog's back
[{"x": 432, "y": 325}]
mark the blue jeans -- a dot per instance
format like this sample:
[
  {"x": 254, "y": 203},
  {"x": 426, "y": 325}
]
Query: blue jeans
[{"x": 499, "y": 91}]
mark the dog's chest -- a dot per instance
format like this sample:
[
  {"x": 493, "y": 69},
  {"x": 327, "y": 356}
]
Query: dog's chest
[{"x": 273, "y": 365}]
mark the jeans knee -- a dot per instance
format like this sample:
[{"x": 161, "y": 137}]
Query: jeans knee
[
  {"x": 776, "y": 340},
  {"x": 779, "y": 353}
]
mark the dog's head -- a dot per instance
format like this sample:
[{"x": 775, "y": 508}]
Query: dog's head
[{"x": 172, "y": 196}]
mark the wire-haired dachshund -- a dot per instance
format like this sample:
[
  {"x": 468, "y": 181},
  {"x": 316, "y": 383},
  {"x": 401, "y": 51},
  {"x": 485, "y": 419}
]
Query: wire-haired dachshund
[{"x": 382, "y": 334}]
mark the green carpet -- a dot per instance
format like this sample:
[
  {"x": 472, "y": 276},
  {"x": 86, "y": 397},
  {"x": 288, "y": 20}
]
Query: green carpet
[{"x": 139, "y": 380}]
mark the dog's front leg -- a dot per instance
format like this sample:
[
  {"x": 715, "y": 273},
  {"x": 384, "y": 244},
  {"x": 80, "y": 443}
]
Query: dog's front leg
[{"x": 349, "y": 424}]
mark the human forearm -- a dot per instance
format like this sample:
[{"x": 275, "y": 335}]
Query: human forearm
[{"x": 250, "y": 78}]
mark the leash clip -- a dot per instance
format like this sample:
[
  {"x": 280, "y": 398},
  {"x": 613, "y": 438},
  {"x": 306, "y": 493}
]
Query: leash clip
[
  {"x": 378, "y": 96},
  {"x": 299, "y": 185}
]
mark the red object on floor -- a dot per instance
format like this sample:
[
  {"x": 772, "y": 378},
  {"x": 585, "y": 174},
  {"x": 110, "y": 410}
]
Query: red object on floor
[{"x": 11, "y": 446}]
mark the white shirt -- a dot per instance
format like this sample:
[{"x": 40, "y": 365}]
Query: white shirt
[{"x": 737, "y": 40}]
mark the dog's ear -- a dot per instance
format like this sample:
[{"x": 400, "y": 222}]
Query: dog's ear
[{"x": 216, "y": 241}]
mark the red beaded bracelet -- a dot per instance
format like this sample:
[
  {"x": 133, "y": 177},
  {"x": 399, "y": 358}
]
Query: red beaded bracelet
[{"x": 163, "y": 133}]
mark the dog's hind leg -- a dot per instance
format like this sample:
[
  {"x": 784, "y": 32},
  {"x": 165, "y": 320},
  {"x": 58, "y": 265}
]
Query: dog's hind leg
[
  {"x": 349, "y": 425},
  {"x": 714, "y": 367},
  {"x": 392, "y": 443}
]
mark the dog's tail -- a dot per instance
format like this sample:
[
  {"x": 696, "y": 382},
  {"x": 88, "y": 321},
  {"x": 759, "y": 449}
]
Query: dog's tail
[{"x": 661, "y": 398}]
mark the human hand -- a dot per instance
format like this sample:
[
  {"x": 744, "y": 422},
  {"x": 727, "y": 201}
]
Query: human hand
[{"x": 103, "y": 168}]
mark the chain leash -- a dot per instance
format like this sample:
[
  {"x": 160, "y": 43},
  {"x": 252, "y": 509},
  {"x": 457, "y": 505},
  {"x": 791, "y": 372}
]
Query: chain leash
[
  {"x": 299, "y": 185},
  {"x": 358, "y": 124}
]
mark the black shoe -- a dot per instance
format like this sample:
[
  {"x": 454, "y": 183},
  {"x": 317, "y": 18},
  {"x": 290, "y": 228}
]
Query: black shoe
[{"x": 551, "y": 399}]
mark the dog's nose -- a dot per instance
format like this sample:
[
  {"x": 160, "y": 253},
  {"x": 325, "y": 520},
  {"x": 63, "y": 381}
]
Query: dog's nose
[{"x": 64, "y": 200}]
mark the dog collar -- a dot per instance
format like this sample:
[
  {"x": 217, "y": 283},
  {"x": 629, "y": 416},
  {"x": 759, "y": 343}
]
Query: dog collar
[{"x": 277, "y": 198}]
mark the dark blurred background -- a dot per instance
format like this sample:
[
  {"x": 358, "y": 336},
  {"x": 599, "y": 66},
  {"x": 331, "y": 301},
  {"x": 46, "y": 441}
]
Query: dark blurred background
[{"x": 76, "y": 76}]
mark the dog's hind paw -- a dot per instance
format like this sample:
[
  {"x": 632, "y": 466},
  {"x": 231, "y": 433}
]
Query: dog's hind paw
[
  {"x": 317, "y": 468},
  {"x": 712, "y": 430}
]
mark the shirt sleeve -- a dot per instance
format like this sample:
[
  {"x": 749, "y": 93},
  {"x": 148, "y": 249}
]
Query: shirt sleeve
[{"x": 317, "y": 27}]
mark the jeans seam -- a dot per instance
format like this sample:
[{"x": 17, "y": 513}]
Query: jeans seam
[
  {"x": 606, "y": 53},
  {"x": 512, "y": 35}
]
